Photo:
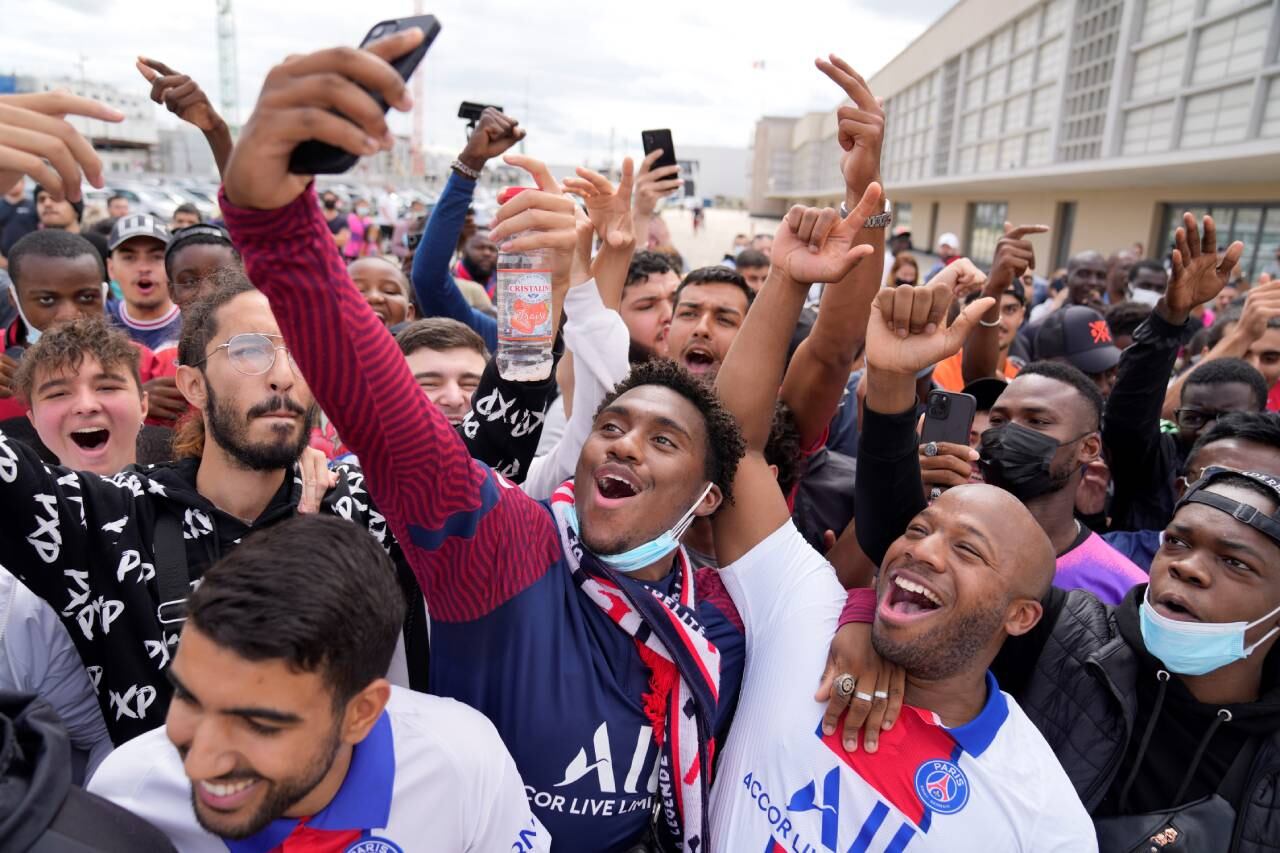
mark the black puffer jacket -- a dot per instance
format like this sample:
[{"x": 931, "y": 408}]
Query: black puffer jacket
[
  {"x": 1081, "y": 677},
  {"x": 40, "y": 810}
]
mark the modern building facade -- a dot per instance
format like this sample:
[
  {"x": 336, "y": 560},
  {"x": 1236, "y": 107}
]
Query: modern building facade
[{"x": 1104, "y": 119}]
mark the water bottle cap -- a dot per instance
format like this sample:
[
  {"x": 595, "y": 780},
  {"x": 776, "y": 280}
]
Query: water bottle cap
[{"x": 510, "y": 193}]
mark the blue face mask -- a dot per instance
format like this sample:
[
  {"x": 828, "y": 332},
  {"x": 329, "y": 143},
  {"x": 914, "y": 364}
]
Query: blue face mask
[
  {"x": 649, "y": 552},
  {"x": 1195, "y": 648}
]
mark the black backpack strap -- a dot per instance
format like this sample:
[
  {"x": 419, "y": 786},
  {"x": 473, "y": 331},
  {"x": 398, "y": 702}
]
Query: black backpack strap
[{"x": 172, "y": 577}]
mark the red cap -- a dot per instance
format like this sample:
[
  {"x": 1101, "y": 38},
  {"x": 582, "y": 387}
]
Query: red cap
[{"x": 510, "y": 193}]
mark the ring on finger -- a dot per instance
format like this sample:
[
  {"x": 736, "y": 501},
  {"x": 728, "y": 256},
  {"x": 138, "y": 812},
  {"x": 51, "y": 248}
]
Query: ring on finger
[
  {"x": 844, "y": 685},
  {"x": 865, "y": 697},
  {"x": 882, "y": 694},
  {"x": 931, "y": 448}
]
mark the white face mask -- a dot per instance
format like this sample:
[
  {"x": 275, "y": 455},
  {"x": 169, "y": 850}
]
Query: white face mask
[{"x": 1145, "y": 297}]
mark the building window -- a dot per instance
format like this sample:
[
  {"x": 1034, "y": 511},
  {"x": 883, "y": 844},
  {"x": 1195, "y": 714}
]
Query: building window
[
  {"x": 1257, "y": 225},
  {"x": 1217, "y": 117},
  {"x": 1064, "y": 223},
  {"x": 986, "y": 227},
  {"x": 902, "y": 216}
]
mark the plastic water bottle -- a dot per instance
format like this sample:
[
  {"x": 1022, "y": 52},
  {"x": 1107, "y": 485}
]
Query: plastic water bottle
[{"x": 525, "y": 335}]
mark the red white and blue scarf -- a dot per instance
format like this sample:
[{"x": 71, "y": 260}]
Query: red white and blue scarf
[{"x": 684, "y": 681}]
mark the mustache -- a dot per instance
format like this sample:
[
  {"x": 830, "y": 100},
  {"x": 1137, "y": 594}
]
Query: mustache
[
  {"x": 240, "y": 774},
  {"x": 279, "y": 403}
]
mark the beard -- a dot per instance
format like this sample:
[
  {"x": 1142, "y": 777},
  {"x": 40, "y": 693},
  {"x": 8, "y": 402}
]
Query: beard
[
  {"x": 281, "y": 795},
  {"x": 231, "y": 432},
  {"x": 945, "y": 649}
]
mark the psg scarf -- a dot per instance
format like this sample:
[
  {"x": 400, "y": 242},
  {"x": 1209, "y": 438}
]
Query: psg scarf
[{"x": 684, "y": 682}]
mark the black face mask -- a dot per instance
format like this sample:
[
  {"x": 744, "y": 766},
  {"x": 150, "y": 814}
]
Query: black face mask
[
  {"x": 330, "y": 203},
  {"x": 898, "y": 281},
  {"x": 1020, "y": 460}
]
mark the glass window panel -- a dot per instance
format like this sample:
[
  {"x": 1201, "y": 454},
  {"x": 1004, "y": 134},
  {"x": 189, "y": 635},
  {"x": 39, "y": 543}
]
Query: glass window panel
[
  {"x": 1158, "y": 70},
  {"x": 1038, "y": 148},
  {"x": 1011, "y": 150},
  {"x": 1015, "y": 113},
  {"x": 997, "y": 82},
  {"x": 1231, "y": 47},
  {"x": 986, "y": 227},
  {"x": 1271, "y": 110},
  {"x": 1026, "y": 30},
  {"x": 1147, "y": 129},
  {"x": 969, "y": 128},
  {"x": 987, "y": 157},
  {"x": 1161, "y": 17},
  {"x": 1043, "y": 104},
  {"x": 1056, "y": 15},
  {"x": 990, "y": 122},
  {"x": 1217, "y": 117}
]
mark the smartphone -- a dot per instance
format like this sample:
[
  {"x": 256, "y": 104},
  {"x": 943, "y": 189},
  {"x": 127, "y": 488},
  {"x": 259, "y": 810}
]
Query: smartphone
[
  {"x": 948, "y": 416},
  {"x": 655, "y": 139},
  {"x": 320, "y": 158}
]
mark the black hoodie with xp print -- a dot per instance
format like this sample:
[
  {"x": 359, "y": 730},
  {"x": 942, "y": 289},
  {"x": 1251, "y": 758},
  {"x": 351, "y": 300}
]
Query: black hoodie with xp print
[{"x": 86, "y": 545}]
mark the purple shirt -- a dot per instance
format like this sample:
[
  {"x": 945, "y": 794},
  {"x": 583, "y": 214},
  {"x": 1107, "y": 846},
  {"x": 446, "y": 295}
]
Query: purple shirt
[{"x": 1096, "y": 567}]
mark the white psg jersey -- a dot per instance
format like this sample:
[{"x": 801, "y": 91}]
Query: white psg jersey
[
  {"x": 990, "y": 785},
  {"x": 431, "y": 772}
]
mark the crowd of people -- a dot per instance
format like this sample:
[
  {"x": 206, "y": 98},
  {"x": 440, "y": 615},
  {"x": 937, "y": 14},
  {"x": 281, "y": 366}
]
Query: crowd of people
[{"x": 290, "y": 564}]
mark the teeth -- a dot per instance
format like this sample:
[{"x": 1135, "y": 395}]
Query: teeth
[
  {"x": 87, "y": 430},
  {"x": 912, "y": 586},
  {"x": 226, "y": 790}
]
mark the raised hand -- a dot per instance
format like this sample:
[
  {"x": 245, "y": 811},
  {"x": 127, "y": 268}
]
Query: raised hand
[
  {"x": 1014, "y": 253},
  {"x": 317, "y": 479},
  {"x": 1198, "y": 272},
  {"x": 181, "y": 95},
  {"x": 545, "y": 218},
  {"x": 301, "y": 99},
  {"x": 652, "y": 184},
  {"x": 493, "y": 136},
  {"x": 35, "y": 141},
  {"x": 164, "y": 400},
  {"x": 962, "y": 276},
  {"x": 1260, "y": 307},
  {"x": 860, "y": 128},
  {"x": 815, "y": 245},
  {"x": 907, "y": 331},
  {"x": 609, "y": 208},
  {"x": 8, "y": 367}
]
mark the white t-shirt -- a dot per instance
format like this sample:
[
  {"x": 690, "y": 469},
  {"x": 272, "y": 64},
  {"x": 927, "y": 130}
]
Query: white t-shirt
[
  {"x": 990, "y": 785},
  {"x": 431, "y": 770}
]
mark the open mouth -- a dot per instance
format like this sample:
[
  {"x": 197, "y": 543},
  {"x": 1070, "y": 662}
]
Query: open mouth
[
  {"x": 614, "y": 484},
  {"x": 1175, "y": 607},
  {"x": 91, "y": 438},
  {"x": 699, "y": 359},
  {"x": 226, "y": 796},
  {"x": 909, "y": 598}
]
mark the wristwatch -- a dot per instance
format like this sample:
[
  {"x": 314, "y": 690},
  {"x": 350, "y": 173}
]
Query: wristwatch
[{"x": 880, "y": 220}]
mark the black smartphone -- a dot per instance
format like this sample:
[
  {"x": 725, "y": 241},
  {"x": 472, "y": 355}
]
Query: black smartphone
[
  {"x": 320, "y": 158},
  {"x": 948, "y": 416},
  {"x": 655, "y": 139}
]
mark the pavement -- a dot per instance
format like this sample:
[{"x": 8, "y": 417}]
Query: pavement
[{"x": 715, "y": 237}]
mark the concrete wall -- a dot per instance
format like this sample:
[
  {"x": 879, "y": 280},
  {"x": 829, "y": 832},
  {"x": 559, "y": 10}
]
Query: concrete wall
[{"x": 1105, "y": 220}]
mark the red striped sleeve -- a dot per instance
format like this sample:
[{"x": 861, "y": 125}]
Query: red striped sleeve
[{"x": 473, "y": 542}]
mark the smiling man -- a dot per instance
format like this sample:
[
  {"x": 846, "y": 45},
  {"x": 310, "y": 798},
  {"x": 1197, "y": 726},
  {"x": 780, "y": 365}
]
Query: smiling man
[
  {"x": 284, "y": 731},
  {"x": 711, "y": 304},
  {"x": 147, "y": 313},
  {"x": 961, "y": 768}
]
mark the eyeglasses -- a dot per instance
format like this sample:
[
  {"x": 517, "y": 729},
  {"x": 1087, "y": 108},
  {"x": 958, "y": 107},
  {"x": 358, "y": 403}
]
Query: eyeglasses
[
  {"x": 1195, "y": 418},
  {"x": 252, "y": 354}
]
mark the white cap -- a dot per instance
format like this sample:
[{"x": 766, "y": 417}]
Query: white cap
[{"x": 949, "y": 239}]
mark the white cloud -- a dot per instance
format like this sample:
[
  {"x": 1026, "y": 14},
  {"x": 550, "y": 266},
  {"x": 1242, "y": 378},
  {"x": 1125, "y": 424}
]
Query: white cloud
[{"x": 573, "y": 73}]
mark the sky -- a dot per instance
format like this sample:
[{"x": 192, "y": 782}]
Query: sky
[{"x": 576, "y": 75}]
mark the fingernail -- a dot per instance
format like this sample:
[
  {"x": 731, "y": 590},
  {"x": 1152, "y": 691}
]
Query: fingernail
[
  {"x": 973, "y": 457},
  {"x": 870, "y": 747},
  {"x": 851, "y": 745},
  {"x": 931, "y": 328},
  {"x": 370, "y": 145},
  {"x": 828, "y": 729},
  {"x": 888, "y": 725},
  {"x": 813, "y": 250},
  {"x": 902, "y": 333}
]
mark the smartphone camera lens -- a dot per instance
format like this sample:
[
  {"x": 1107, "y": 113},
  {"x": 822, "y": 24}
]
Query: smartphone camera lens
[
  {"x": 378, "y": 30},
  {"x": 939, "y": 408}
]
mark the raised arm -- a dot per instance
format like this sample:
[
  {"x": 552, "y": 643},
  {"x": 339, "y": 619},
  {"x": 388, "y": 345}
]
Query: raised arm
[
  {"x": 811, "y": 245},
  {"x": 451, "y": 515},
  {"x": 1014, "y": 254},
  {"x": 651, "y": 185},
  {"x": 1261, "y": 306},
  {"x": 433, "y": 285},
  {"x": 906, "y": 334},
  {"x": 1131, "y": 422},
  {"x": 183, "y": 97},
  {"x": 816, "y": 378}
]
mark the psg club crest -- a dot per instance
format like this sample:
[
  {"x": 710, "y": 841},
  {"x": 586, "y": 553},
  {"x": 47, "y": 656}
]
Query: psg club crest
[
  {"x": 942, "y": 786},
  {"x": 373, "y": 844}
]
